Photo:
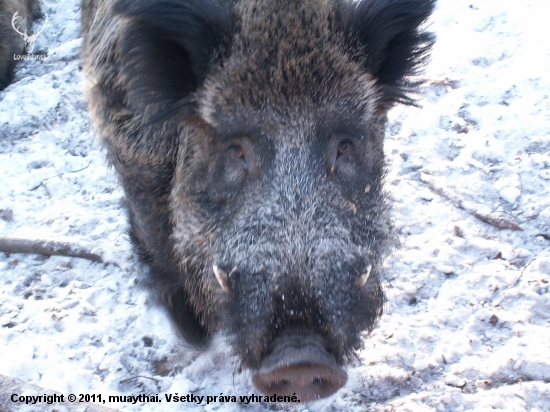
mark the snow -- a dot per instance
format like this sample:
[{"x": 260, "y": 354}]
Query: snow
[{"x": 467, "y": 325}]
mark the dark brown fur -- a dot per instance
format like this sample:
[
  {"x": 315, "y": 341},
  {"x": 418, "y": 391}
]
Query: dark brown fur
[
  {"x": 10, "y": 41},
  {"x": 248, "y": 135}
]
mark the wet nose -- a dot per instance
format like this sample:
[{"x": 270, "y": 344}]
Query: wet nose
[{"x": 299, "y": 365}]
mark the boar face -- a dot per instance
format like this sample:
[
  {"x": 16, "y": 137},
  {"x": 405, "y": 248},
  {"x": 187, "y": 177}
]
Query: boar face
[
  {"x": 259, "y": 125},
  {"x": 294, "y": 214}
]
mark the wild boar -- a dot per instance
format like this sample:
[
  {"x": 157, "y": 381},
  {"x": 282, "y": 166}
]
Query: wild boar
[
  {"x": 18, "y": 13},
  {"x": 248, "y": 137}
]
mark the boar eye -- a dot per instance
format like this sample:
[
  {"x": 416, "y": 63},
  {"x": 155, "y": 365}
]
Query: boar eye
[
  {"x": 237, "y": 152},
  {"x": 343, "y": 147},
  {"x": 342, "y": 157}
]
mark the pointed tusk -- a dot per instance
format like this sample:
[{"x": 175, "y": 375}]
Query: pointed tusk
[
  {"x": 222, "y": 279},
  {"x": 364, "y": 277}
]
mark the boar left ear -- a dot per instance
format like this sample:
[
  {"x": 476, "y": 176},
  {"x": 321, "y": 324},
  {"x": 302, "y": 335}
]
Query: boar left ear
[
  {"x": 385, "y": 36},
  {"x": 166, "y": 48}
]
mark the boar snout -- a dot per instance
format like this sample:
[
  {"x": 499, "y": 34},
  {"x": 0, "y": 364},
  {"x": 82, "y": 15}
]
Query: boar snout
[{"x": 299, "y": 365}]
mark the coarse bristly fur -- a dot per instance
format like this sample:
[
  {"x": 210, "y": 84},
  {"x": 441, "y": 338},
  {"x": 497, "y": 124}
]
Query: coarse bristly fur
[
  {"x": 11, "y": 42},
  {"x": 249, "y": 135}
]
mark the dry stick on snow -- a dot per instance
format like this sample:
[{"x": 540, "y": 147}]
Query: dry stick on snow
[
  {"x": 59, "y": 175},
  {"x": 482, "y": 213},
  {"x": 139, "y": 376},
  {"x": 46, "y": 247},
  {"x": 523, "y": 270}
]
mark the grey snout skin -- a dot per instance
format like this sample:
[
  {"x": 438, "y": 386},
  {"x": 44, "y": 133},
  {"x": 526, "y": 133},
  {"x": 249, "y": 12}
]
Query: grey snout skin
[{"x": 299, "y": 365}]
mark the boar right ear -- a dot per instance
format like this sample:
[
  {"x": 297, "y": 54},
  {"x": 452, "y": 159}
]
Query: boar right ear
[
  {"x": 167, "y": 46},
  {"x": 386, "y": 38}
]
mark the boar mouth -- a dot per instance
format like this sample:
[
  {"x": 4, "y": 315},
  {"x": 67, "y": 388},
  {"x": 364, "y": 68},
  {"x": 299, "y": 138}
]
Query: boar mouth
[{"x": 300, "y": 365}]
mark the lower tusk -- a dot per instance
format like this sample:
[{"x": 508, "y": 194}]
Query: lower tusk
[
  {"x": 364, "y": 277},
  {"x": 222, "y": 279}
]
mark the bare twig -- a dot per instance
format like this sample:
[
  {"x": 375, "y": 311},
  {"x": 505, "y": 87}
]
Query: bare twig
[
  {"x": 47, "y": 247},
  {"x": 70, "y": 171},
  {"x": 140, "y": 376},
  {"x": 481, "y": 212},
  {"x": 45, "y": 188},
  {"x": 57, "y": 175},
  {"x": 523, "y": 270}
]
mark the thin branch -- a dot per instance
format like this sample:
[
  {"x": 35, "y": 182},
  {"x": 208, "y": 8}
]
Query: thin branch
[
  {"x": 47, "y": 247},
  {"x": 523, "y": 270},
  {"x": 57, "y": 175},
  {"x": 140, "y": 376},
  {"x": 70, "y": 171},
  {"x": 481, "y": 212}
]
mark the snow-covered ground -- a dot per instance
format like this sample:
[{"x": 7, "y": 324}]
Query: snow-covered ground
[{"x": 468, "y": 319}]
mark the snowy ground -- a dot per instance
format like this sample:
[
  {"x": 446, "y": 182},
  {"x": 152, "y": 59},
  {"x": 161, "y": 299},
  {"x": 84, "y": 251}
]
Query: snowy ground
[{"x": 468, "y": 320}]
